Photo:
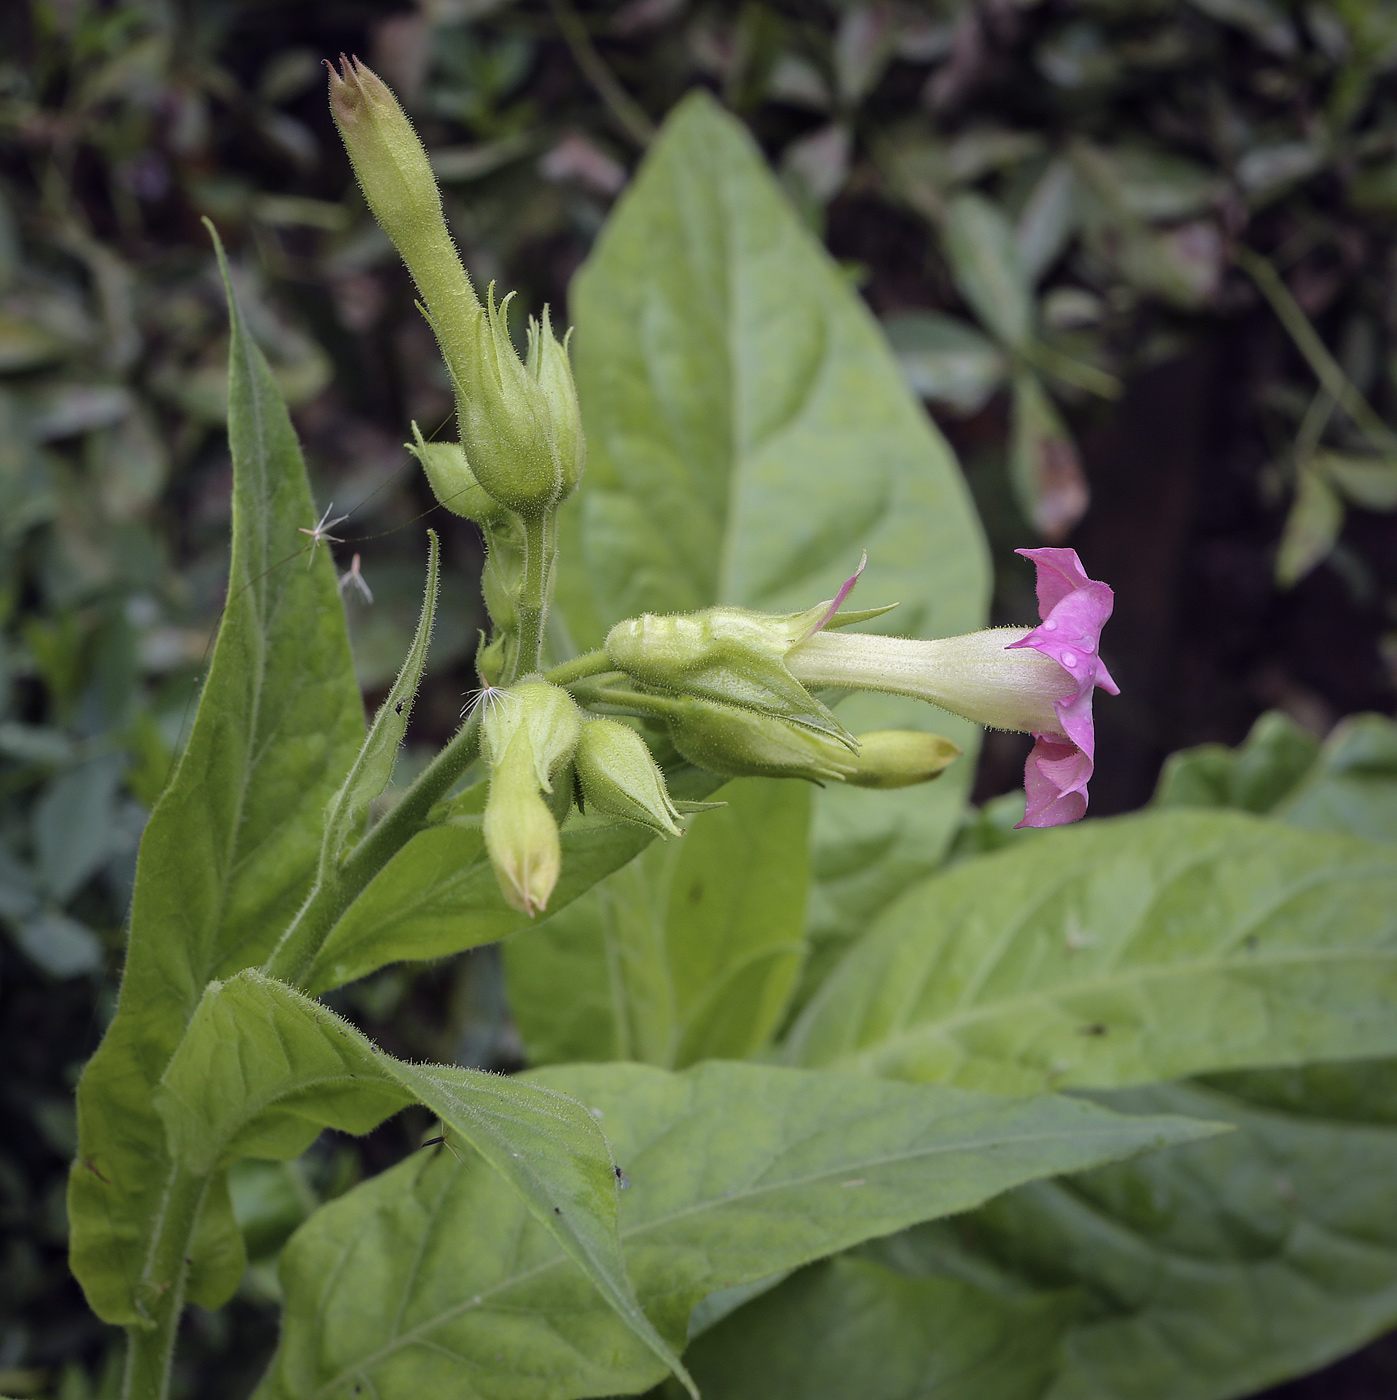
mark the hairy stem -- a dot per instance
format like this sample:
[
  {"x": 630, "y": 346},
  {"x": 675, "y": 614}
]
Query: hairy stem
[
  {"x": 294, "y": 954},
  {"x": 539, "y": 549},
  {"x": 150, "y": 1349},
  {"x": 594, "y": 663}
]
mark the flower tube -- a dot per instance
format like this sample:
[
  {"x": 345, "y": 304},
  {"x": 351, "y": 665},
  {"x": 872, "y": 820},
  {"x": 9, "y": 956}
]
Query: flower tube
[{"x": 1037, "y": 680}]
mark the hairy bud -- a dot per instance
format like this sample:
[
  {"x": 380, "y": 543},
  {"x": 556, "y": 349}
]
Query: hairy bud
[
  {"x": 619, "y": 777},
  {"x": 452, "y": 481},
  {"x": 727, "y": 655},
  {"x": 741, "y": 743},
  {"x": 521, "y": 836},
  {"x": 548, "y": 363},
  {"x": 894, "y": 758},
  {"x": 505, "y": 419},
  {"x": 544, "y": 716}
]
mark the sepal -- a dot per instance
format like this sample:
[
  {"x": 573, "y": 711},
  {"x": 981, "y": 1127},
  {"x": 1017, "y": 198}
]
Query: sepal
[
  {"x": 618, "y": 777},
  {"x": 739, "y": 743}
]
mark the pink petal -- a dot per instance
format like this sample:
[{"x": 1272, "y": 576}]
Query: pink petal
[
  {"x": 1059, "y": 572},
  {"x": 1073, "y": 609},
  {"x": 1055, "y": 782}
]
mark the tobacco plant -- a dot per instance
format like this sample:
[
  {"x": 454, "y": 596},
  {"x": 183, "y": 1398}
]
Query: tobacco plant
[{"x": 708, "y": 821}]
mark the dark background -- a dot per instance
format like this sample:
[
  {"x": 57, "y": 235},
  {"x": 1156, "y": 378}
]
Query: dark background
[{"x": 122, "y": 125}]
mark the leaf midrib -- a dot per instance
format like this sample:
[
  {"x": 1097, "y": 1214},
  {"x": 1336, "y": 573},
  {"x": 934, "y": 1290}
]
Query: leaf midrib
[
  {"x": 398, "y": 1343},
  {"x": 937, "y": 1029}
]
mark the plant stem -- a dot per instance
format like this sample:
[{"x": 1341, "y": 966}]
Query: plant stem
[
  {"x": 625, "y": 110},
  {"x": 294, "y": 955},
  {"x": 1325, "y": 367},
  {"x": 533, "y": 594},
  {"x": 625, "y": 702},
  {"x": 150, "y": 1349},
  {"x": 594, "y": 663}
]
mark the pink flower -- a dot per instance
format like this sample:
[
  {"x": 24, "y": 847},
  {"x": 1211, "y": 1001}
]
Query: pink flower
[{"x": 1073, "y": 609}]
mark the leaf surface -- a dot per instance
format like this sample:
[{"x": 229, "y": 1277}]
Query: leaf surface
[
  {"x": 689, "y": 953},
  {"x": 373, "y": 768},
  {"x": 433, "y": 1279},
  {"x": 1121, "y": 952},
  {"x": 262, "y": 1069},
  {"x": 851, "y": 1327},
  {"x": 230, "y": 849}
]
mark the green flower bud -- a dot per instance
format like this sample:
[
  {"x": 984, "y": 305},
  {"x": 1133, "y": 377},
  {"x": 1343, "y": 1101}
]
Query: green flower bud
[
  {"x": 398, "y": 184},
  {"x": 619, "y": 778},
  {"x": 452, "y": 481},
  {"x": 521, "y": 836},
  {"x": 545, "y": 718},
  {"x": 743, "y": 743},
  {"x": 894, "y": 758},
  {"x": 548, "y": 363},
  {"x": 503, "y": 411},
  {"x": 727, "y": 655}
]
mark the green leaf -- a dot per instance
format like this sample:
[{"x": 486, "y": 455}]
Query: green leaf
[
  {"x": 851, "y": 1327},
  {"x": 439, "y": 895},
  {"x": 1202, "y": 1273},
  {"x": 1120, "y": 952},
  {"x": 1352, "y": 787},
  {"x": 373, "y": 768},
  {"x": 945, "y": 359},
  {"x": 262, "y": 1069},
  {"x": 431, "y": 1279},
  {"x": 231, "y": 847},
  {"x": 1253, "y": 777},
  {"x": 985, "y": 261},
  {"x": 1346, "y": 785},
  {"x": 689, "y": 953},
  {"x": 1219, "y": 1268},
  {"x": 749, "y": 435},
  {"x": 1367, "y": 481},
  {"x": 1311, "y": 528}
]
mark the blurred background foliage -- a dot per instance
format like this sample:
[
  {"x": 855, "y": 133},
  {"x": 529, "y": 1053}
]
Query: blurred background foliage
[{"x": 1135, "y": 255}]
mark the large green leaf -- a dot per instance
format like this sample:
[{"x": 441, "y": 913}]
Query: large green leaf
[
  {"x": 231, "y": 847},
  {"x": 432, "y": 1279},
  {"x": 1347, "y": 784},
  {"x": 850, "y": 1327},
  {"x": 262, "y": 1069},
  {"x": 749, "y": 434},
  {"x": 1202, "y": 1273},
  {"x": 1121, "y": 952},
  {"x": 688, "y": 953}
]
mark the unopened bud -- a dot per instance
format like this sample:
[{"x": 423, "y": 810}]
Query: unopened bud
[
  {"x": 894, "y": 758},
  {"x": 452, "y": 481},
  {"x": 544, "y": 718},
  {"x": 396, "y": 177},
  {"x": 503, "y": 413},
  {"x": 619, "y": 778},
  {"x": 727, "y": 655},
  {"x": 549, "y": 365},
  {"x": 743, "y": 743},
  {"x": 521, "y": 836}
]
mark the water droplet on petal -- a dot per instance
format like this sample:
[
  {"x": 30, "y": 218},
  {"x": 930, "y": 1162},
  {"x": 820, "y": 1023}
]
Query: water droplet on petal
[
  {"x": 1068, "y": 659},
  {"x": 1050, "y": 626}
]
